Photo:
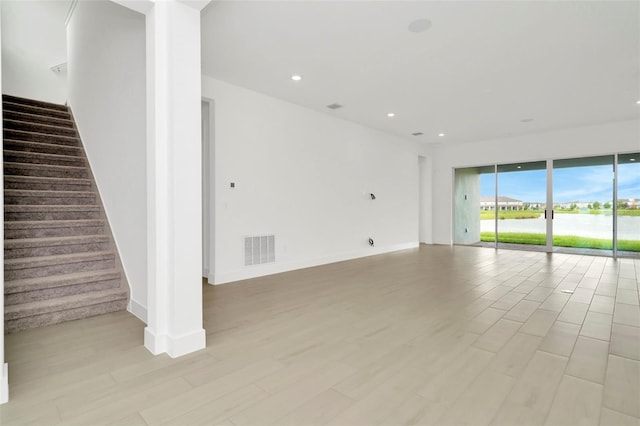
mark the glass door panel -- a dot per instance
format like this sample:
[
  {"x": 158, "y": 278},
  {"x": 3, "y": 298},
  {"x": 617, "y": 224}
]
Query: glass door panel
[
  {"x": 582, "y": 204},
  {"x": 488, "y": 206},
  {"x": 521, "y": 202},
  {"x": 628, "y": 205}
]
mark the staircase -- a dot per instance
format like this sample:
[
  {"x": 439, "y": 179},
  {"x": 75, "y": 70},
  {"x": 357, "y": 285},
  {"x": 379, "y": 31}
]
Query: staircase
[{"x": 60, "y": 262}]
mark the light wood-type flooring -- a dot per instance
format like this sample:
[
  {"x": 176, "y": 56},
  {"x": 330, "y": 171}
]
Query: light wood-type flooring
[{"x": 437, "y": 335}]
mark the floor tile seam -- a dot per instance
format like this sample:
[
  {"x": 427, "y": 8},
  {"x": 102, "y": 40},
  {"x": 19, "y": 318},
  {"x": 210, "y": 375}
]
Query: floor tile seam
[
  {"x": 350, "y": 398},
  {"x": 506, "y": 397},
  {"x": 616, "y": 411},
  {"x": 623, "y": 357},
  {"x": 199, "y": 406},
  {"x": 564, "y": 373},
  {"x": 580, "y": 334},
  {"x": 585, "y": 379}
]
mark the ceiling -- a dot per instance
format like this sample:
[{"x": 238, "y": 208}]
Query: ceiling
[{"x": 483, "y": 70}]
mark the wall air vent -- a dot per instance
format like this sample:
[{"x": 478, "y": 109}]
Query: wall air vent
[
  {"x": 334, "y": 106},
  {"x": 259, "y": 249}
]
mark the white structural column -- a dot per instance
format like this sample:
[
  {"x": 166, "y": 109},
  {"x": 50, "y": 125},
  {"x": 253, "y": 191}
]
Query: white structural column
[
  {"x": 174, "y": 180},
  {"x": 4, "y": 368}
]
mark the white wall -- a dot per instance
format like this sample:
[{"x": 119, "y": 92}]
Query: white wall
[
  {"x": 425, "y": 219},
  {"x": 34, "y": 40},
  {"x": 305, "y": 177},
  {"x": 107, "y": 95},
  {"x": 578, "y": 142}
]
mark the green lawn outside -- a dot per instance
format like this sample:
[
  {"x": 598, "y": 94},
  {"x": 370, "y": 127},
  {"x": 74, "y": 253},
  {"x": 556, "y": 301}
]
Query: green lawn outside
[
  {"x": 534, "y": 214},
  {"x": 511, "y": 214},
  {"x": 628, "y": 212},
  {"x": 560, "y": 241}
]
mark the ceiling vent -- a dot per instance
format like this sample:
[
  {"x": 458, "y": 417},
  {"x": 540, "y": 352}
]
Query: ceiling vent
[
  {"x": 334, "y": 106},
  {"x": 417, "y": 134}
]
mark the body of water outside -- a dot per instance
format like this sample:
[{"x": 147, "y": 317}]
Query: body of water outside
[{"x": 584, "y": 225}]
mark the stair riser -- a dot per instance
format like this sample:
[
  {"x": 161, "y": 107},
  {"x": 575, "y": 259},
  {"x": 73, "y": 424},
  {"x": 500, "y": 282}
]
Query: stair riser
[
  {"x": 40, "y": 137},
  {"x": 48, "y": 201},
  {"x": 37, "y": 118},
  {"x": 11, "y": 326},
  {"x": 52, "y": 293},
  {"x": 33, "y": 102},
  {"x": 63, "y": 268},
  {"x": 42, "y": 148},
  {"x": 28, "y": 109},
  {"x": 32, "y": 158},
  {"x": 40, "y": 170},
  {"x": 44, "y": 186},
  {"x": 54, "y": 250},
  {"x": 40, "y": 128},
  {"x": 24, "y": 216},
  {"x": 11, "y": 234}
]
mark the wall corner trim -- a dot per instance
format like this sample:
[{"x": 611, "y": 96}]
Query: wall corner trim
[
  {"x": 174, "y": 346},
  {"x": 140, "y": 6},
  {"x": 196, "y": 4},
  {"x": 4, "y": 384},
  {"x": 138, "y": 310},
  {"x": 72, "y": 8}
]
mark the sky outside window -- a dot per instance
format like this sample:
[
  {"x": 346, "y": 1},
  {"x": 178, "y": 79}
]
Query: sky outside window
[{"x": 583, "y": 184}]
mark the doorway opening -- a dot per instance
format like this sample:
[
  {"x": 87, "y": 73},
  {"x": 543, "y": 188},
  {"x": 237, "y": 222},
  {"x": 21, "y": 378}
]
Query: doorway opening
[{"x": 208, "y": 190}]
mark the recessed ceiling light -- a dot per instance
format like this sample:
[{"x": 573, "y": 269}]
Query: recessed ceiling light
[
  {"x": 417, "y": 134},
  {"x": 518, "y": 167},
  {"x": 419, "y": 25},
  {"x": 440, "y": 134},
  {"x": 391, "y": 114},
  {"x": 638, "y": 102},
  {"x": 335, "y": 106},
  {"x": 296, "y": 77}
]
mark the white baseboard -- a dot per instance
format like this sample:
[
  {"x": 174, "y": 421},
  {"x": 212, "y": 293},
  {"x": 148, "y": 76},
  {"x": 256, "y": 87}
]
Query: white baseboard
[
  {"x": 4, "y": 384},
  {"x": 276, "y": 268},
  {"x": 174, "y": 346},
  {"x": 138, "y": 310}
]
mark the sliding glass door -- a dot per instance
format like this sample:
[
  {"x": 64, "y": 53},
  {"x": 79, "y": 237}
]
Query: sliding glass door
[
  {"x": 583, "y": 204},
  {"x": 522, "y": 194},
  {"x": 628, "y": 205}
]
